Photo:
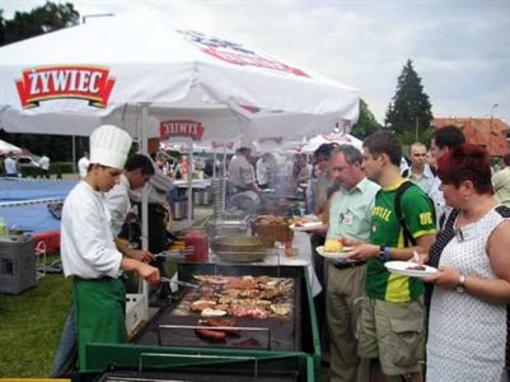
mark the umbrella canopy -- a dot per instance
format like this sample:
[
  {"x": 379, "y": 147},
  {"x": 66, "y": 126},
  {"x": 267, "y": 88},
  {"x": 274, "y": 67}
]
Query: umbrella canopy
[
  {"x": 341, "y": 139},
  {"x": 6, "y": 147},
  {"x": 72, "y": 80}
]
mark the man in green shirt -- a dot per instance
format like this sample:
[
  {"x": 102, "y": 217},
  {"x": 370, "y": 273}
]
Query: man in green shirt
[
  {"x": 392, "y": 327},
  {"x": 349, "y": 217}
]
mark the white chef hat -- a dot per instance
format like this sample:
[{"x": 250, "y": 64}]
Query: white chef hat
[{"x": 109, "y": 146}]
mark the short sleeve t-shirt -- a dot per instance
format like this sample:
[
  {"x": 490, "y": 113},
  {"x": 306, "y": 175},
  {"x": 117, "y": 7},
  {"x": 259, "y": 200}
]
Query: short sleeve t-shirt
[{"x": 385, "y": 230}]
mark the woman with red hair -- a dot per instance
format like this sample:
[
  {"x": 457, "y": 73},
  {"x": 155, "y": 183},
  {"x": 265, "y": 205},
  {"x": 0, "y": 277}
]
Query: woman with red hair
[{"x": 468, "y": 323}]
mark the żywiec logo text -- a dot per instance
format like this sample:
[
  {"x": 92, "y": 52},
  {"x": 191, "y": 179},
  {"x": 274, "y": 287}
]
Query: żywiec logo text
[
  {"x": 191, "y": 129},
  {"x": 91, "y": 83}
]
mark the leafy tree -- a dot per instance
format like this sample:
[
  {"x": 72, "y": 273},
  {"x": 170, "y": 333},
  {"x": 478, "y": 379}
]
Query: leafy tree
[
  {"x": 367, "y": 124},
  {"x": 410, "y": 112},
  {"x": 47, "y": 18}
]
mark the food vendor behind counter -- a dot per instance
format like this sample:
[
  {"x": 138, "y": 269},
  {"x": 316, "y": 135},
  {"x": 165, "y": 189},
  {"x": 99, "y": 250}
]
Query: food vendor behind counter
[{"x": 88, "y": 250}]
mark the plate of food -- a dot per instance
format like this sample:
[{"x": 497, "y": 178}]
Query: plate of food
[
  {"x": 304, "y": 226},
  {"x": 410, "y": 269},
  {"x": 334, "y": 249}
]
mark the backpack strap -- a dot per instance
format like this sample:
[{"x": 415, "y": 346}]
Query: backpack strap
[{"x": 408, "y": 237}]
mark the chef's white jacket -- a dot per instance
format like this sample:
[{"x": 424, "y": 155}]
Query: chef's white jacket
[
  {"x": 87, "y": 247},
  {"x": 118, "y": 204}
]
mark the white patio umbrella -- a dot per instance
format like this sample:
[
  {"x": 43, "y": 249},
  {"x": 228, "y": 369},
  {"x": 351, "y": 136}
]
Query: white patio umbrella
[
  {"x": 341, "y": 139},
  {"x": 142, "y": 74},
  {"x": 6, "y": 147}
]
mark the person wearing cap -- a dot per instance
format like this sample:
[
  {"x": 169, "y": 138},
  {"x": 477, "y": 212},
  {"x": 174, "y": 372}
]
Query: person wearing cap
[{"x": 88, "y": 250}]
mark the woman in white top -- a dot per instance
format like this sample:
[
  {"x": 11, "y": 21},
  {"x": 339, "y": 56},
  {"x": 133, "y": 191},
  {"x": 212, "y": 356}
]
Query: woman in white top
[{"x": 468, "y": 324}]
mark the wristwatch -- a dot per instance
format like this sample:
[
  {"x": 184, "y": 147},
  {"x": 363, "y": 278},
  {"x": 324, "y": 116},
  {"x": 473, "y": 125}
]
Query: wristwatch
[
  {"x": 461, "y": 287},
  {"x": 384, "y": 253}
]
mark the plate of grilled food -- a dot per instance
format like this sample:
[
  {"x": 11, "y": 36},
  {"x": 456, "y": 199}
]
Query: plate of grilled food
[{"x": 410, "y": 269}]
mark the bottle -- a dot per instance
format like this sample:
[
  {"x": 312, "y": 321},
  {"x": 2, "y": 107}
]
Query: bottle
[{"x": 197, "y": 239}]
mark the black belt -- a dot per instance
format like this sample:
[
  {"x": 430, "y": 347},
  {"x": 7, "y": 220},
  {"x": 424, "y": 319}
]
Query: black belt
[{"x": 349, "y": 265}]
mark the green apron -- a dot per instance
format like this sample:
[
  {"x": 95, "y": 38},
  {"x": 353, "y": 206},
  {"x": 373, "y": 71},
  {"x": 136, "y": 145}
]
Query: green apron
[{"x": 100, "y": 313}]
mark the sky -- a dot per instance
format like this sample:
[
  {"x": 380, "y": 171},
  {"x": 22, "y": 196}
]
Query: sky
[{"x": 460, "y": 48}]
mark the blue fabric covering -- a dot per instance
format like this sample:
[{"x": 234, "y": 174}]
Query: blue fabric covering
[
  {"x": 32, "y": 218},
  {"x": 36, "y": 217},
  {"x": 13, "y": 190}
]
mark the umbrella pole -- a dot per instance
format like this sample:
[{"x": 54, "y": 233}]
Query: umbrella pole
[
  {"x": 214, "y": 164},
  {"x": 145, "y": 200},
  {"x": 223, "y": 201},
  {"x": 190, "y": 184}
]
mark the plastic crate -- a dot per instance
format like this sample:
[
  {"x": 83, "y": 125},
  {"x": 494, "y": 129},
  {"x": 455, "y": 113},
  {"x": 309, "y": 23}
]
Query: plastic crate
[
  {"x": 17, "y": 264},
  {"x": 136, "y": 312}
]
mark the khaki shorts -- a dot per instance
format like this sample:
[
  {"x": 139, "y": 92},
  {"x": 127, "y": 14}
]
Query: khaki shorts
[{"x": 394, "y": 333}]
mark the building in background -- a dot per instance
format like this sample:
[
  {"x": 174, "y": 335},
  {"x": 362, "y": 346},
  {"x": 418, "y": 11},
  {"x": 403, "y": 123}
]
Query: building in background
[{"x": 492, "y": 133}]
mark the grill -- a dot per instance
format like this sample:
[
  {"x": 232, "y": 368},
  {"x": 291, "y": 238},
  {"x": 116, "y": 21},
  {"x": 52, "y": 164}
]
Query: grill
[
  {"x": 272, "y": 350},
  {"x": 274, "y": 334},
  {"x": 146, "y": 365}
]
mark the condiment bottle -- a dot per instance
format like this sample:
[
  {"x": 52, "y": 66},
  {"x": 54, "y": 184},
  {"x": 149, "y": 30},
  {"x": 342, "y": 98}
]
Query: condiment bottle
[{"x": 197, "y": 239}]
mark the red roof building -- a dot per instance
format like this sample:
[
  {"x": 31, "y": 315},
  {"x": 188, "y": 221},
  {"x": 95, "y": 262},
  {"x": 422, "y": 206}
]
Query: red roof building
[{"x": 488, "y": 132}]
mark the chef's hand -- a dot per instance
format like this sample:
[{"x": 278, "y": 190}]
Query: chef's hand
[
  {"x": 149, "y": 273},
  {"x": 142, "y": 255},
  {"x": 447, "y": 277},
  {"x": 364, "y": 251}
]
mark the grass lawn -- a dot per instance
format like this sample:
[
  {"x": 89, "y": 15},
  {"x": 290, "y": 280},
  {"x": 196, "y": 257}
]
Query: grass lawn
[{"x": 30, "y": 327}]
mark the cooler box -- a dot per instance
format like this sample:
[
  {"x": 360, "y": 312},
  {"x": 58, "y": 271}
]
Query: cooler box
[{"x": 17, "y": 264}]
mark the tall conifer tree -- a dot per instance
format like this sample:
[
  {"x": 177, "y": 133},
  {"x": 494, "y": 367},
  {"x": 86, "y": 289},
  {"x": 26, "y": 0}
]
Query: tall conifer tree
[{"x": 409, "y": 113}]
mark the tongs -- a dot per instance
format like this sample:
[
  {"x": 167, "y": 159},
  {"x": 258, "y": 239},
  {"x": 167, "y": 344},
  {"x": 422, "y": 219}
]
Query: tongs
[
  {"x": 175, "y": 253},
  {"x": 178, "y": 282}
]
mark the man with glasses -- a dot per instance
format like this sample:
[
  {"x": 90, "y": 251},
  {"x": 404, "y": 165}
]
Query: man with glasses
[{"x": 349, "y": 218}]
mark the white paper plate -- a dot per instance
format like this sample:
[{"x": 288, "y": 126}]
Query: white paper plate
[
  {"x": 401, "y": 268},
  {"x": 304, "y": 227},
  {"x": 344, "y": 254}
]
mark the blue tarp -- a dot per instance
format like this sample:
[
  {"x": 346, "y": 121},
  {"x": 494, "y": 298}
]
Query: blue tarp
[
  {"x": 14, "y": 190},
  {"x": 32, "y": 218}
]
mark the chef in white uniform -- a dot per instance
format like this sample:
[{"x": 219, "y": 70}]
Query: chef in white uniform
[{"x": 88, "y": 250}]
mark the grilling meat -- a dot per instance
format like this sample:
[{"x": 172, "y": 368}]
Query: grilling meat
[
  {"x": 212, "y": 335},
  {"x": 256, "y": 297}
]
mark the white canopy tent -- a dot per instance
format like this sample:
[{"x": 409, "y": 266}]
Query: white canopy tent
[
  {"x": 6, "y": 147},
  {"x": 140, "y": 73},
  {"x": 339, "y": 138}
]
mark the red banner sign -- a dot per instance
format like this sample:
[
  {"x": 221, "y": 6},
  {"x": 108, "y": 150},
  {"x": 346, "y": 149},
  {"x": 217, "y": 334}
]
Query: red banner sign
[
  {"x": 90, "y": 83},
  {"x": 181, "y": 128}
]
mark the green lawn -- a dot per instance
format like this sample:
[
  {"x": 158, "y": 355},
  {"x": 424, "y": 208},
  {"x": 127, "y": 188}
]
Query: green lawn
[{"x": 30, "y": 327}]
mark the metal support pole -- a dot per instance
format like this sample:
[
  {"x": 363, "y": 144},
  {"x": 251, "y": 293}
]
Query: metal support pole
[
  {"x": 145, "y": 195},
  {"x": 224, "y": 178},
  {"x": 74, "y": 153},
  {"x": 190, "y": 184}
]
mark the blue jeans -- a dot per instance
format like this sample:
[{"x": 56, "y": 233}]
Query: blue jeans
[{"x": 67, "y": 351}]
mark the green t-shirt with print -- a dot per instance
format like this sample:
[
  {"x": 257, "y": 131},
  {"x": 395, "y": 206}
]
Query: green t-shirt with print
[{"x": 417, "y": 211}]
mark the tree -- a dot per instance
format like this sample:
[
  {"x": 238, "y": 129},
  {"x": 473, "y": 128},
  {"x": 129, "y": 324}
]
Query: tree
[
  {"x": 367, "y": 124},
  {"x": 409, "y": 114},
  {"x": 47, "y": 18}
]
